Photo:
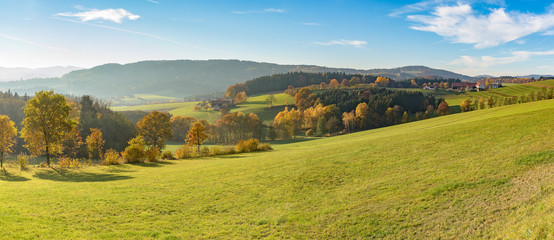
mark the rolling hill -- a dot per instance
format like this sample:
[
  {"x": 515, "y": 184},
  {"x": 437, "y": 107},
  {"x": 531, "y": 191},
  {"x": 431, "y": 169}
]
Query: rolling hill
[
  {"x": 485, "y": 174},
  {"x": 19, "y": 73},
  {"x": 182, "y": 78}
]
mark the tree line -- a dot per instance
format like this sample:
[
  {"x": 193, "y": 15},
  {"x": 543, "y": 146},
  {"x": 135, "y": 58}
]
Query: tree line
[{"x": 328, "y": 112}]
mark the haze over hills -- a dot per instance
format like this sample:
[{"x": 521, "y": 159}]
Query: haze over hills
[
  {"x": 182, "y": 78},
  {"x": 20, "y": 73}
]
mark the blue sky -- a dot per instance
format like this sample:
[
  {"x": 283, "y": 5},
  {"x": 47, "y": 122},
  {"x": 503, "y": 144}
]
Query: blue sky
[{"x": 471, "y": 37}]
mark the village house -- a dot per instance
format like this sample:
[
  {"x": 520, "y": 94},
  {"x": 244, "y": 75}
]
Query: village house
[{"x": 461, "y": 86}]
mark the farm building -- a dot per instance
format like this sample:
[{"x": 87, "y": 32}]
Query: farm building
[{"x": 464, "y": 86}]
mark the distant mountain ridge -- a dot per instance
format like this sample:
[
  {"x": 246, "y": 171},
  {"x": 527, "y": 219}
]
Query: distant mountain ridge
[
  {"x": 182, "y": 78},
  {"x": 20, "y": 73}
]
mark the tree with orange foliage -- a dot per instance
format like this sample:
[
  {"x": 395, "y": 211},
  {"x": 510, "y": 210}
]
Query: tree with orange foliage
[
  {"x": 197, "y": 135},
  {"x": 7, "y": 137}
]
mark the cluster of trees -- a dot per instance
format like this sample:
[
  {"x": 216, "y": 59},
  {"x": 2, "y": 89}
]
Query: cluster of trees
[
  {"x": 280, "y": 82},
  {"x": 482, "y": 103},
  {"x": 349, "y": 110},
  {"x": 293, "y": 80},
  {"x": 422, "y": 82},
  {"x": 509, "y": 79}
]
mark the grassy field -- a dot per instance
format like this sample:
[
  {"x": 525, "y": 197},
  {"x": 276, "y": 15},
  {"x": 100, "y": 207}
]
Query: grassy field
[
  {"x": 509, "y": 90},
  {"x": 255, "y": 104},
  {"x": 481, "y": 174}
]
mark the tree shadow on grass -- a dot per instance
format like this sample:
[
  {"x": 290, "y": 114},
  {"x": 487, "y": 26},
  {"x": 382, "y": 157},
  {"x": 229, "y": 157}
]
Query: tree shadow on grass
[
  {"x": 6, "y": 176},
  {"x": 64, "y": 175},
  {"x": 153, "y": 164}
]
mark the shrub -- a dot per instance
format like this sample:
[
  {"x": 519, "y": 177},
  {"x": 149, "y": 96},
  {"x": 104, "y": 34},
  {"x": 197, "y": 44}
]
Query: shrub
[
  {"x": 249, "y": 145},
  {"x": 229, "y": 150},
  {"x": 64, "y": 162},
  {"x": 167, "y": 155},
  {"x": 75, "y": 163},
  {"x": 264, "y": 147},
  {"x": 216, "y": 150},
  {"x": 152, "y": 154},
  {"x": 185, "y": 151},
  {"x": 134, "y": 154},
  {"x": 111, "y": 157},
  {"x": 309, "y": 133},
  {"x": 204, "y": 152},
  {"x": 23, "y": 160}
]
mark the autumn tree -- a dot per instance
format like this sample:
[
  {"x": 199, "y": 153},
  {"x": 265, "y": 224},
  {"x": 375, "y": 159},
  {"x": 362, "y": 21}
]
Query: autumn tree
[
  {"x": 482, "y": 103},
  {"x": 362, "y": 111},
  {"x": 382, "y": 81},
  {"x": 349, "y": 120},
  {"x": 7, "y": 137},
  {"x": 47, "y": 123},
  {"x": 333, "y": 83},
  {"x": 288, "y": 122},
  {"x": 491, "y": 102},
  {"x": 155, "y": 128},
  {"x": 196, "y": 135},
  {"x": 181, "y": 126},
  {"x": 304, "y": 98},
  {"x": 95, "y": 144},
  {"x": 270, "y": 100},
  {"x": 405, "y": 117},
  {"x": 466, "y": 105},
  {"x": 241, "y": 97},
  {"x": 443, "y": 108}
]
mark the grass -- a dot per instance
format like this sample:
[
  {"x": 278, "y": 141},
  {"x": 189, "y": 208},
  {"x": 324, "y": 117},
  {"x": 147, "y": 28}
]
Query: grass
[
  {"x": 509, "y": 90},
  {"x": 255, "y": 104},
  {"x": 455, "y": 177}
]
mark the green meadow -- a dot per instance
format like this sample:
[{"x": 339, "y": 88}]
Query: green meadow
[
  {"x": 509, "y": 90},
  {"x": 255, "y": 104},
  {"x": 474, "y": 175}
]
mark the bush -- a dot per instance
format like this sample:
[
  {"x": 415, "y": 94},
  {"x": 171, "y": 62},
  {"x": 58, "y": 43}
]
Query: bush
[
  {"x": 64, "y": 162},
  {"x": 152, "y": 154},
  {"x": 167, "y": 155},
  {"x": 229, "y": 150},
  {"x": 249, "y": 145},
  {"x": 264, "y": 147},
  {"x": 309, "y": 133},
  {"x": 67, "y": 162},
  {"x": 216, "y": 150},
  {"x": 111, "y": 157},
  {"x": 185, "y": 151},
  {"x": 75, "y": 163},
  {"x": 204, "y": 152},
  {"x": 252, "y": 145},
  {"x": 23, "y": 160},
  {"x": 134, "y": 154}
]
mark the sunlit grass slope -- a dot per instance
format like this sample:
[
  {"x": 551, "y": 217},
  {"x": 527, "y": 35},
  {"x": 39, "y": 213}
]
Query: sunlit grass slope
[
  {"x": 481, "y": 174},
  {"x": 509, "y": 90},
  {"x": 255, "y": 104}
]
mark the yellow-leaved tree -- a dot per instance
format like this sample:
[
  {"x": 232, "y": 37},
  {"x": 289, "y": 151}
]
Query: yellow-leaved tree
[
  {"x": 156, "y": 129},
  {"x": 7, "y": 137},
  {"x": 95, "y": 144},
  {"x": 197, "y": 135},
  {"x": 47, "y": 123}
]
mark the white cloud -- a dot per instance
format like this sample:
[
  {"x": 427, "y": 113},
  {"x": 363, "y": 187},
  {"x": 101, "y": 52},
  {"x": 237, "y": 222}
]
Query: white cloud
[
  {"x": 430, "y": 4},
  {"x": 461, "y": 24},
  {"x": 267, "y": 10},
  {"x": 114, "y": 15},
  {"x": 311, "y": 24},
  {"x": 342, "y": 42},
  {"x": 487, "y": 61},
  {"x": 152, "y": 1}
]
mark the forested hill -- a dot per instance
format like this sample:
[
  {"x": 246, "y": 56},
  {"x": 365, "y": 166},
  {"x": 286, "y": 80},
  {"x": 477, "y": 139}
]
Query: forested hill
[{"x": 182, "y": 78}]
